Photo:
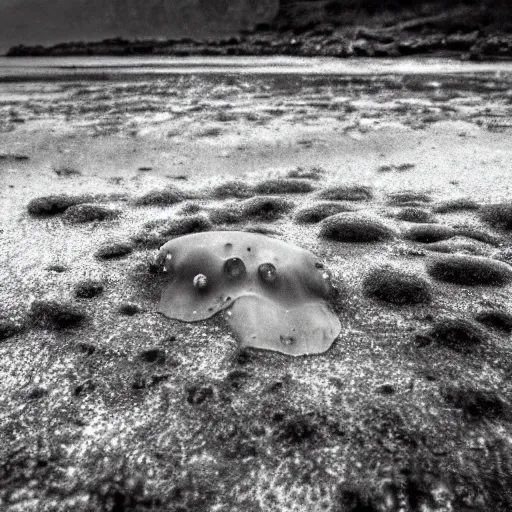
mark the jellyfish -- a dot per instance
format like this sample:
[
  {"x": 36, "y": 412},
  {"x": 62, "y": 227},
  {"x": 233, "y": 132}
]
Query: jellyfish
[{"x": 274, "y": 295}]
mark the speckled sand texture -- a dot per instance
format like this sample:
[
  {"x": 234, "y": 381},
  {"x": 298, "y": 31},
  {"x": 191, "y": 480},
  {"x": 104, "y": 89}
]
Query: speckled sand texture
[{"x": 106, "y": 405}]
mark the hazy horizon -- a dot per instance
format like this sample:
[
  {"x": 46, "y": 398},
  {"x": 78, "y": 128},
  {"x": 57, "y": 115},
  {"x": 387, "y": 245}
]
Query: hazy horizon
[{"x": 47, "y": 22}]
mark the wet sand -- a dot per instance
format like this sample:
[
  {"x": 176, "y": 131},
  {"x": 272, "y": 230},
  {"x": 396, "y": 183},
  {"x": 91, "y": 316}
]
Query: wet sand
[{"x": 108, "y": 404}]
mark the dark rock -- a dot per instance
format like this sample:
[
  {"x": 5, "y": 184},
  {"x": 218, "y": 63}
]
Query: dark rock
[
  {"x": 238, "y": 189},
  {"x": 8, "y": 329},
  {"x": 283, "y": 186},
  {"x": 113, "y": 249},
  {"x": 129, "y": 309},
  {"x": 353, "y": 227},
  {"x": 496, "y": 319},
  {"x": 476, "y": 404},
  {"x": 470, "y": 270},
  {"x": 497, "y": 215},
  {"x": 84, "y": 387},
  {"x": 154, "y": 355},
  {"x": 88, "y": 289},
  {"x": 320, "y": 211},
  {"x": 81, "y": 213},
  {"x": 196, "y": 395},
  {"x": 265, "y": 208},
  {"x": 397, "y": 287},
  {"x": 347, "y": 193},
  {"x": 56, "y": 314},
  {"x": 457, "y": 334},
  {"x": 429, "y": 233},
  {"x": 412, "y": 214},
  {"x": 408, "y": 198},
  {"x": 455, "y": 205},
  {"x": 36, "y": 393},
  {"x": 52, "y": 205},
  {"x": 166, "y": 197}
]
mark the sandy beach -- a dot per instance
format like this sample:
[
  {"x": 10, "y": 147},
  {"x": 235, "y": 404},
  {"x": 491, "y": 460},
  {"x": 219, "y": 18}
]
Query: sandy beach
[{"x": 107, "y": 405}]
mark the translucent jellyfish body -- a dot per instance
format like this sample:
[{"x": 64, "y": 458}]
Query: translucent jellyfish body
[{"x": 276, "y": 294}]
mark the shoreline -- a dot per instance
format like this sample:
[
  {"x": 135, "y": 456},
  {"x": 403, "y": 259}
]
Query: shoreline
[{"x": 342, "y": 44}]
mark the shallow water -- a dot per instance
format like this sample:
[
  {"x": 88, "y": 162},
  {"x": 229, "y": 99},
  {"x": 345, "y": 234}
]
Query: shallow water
[{"x": 38, "y": 68}]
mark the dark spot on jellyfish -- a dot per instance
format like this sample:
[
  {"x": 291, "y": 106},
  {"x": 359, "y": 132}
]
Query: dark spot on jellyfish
[
  {"x": 267, "y": 272},
  {"x": 228, "y": 299},
  {"x": 234, "y": 268},
  {"x": 319, "y": 265},
  {"x": 287, "y": 340},
  {"x": 249, "y": 249}
]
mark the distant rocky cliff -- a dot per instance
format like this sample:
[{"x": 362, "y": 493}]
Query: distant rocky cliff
[{"x": 337, "y": 28}]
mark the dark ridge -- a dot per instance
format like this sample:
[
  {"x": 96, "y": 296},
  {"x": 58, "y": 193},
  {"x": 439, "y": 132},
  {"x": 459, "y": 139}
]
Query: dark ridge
[
  {"x": 457, "y": 334},
  {"x": 455, "y": 245},
  {"x": 397, "y": 287},
  {"x": 478, "y": 235},
  {"x": 396, "y": 168},
  {"x": 67, "y": 171},
  {"x": 320, "y": 211},
  {"x": 412, "y": 214},
  {"x": 36, "y": 393},
  {"x": 470, "y": 270},
  {"x": 476, "y": 404},
  {"x": 496, "y": 319},
  {"x": 315, "y": 173},
  {"x": 347, "y": 193},
  {"x": 52, "y": 205},
  {"x": 113, "y": 249},
  {"x": 88, "y": 289},
  {"x": 352, "y": 227},
  {"x": 190, "y": 208},
  {"x": 238, "y": 189},
  {"x": 84, "y": 387},
  {"x": 149, "y": 240},
  {"x": 455, "y": 205},
  {"x": 153, "y": 355},
  {"x": 8, "y": 329},
  {"x": 198, "y": 394},
  {"x": 185, "y": 226},
  {"x": 86, "y": 348},
  {"x": 230, "y": 213},
  {"x": 157, "y": 233},
  {"x": 407, "y": 198},
  {"x": 57, "y": 267},
  {"x": 429, "y": 233},
  {"x": 352, "y": 497},
  {"x": 166, "y": 197},
  {"x": 265, "y": 208},
  {"x": 497, "y": 215},
  {"x": 54, "y": 314},
  {"x": 82, "y": 213},
  {"x": 283, "y": 186},
  {"x": 129, "y": 309}
]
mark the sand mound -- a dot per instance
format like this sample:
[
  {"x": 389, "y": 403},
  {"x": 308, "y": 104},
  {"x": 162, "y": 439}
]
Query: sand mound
[
  {"x": 470, "y": 270},
  {"x": 397, "y": 287},
  {"x": 346, "y": 193},
  {"x": 320, "y": 211},
  {"x": 354, "y": 227}
]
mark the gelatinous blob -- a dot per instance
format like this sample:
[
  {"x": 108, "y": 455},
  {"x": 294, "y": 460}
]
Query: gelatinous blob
[{"x": 277, "y": 293}]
